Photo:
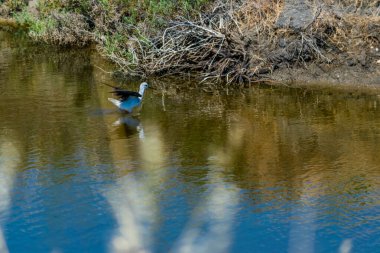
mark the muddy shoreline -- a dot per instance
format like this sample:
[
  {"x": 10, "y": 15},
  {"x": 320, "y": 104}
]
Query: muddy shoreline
[{"x": 333, "y": 74}]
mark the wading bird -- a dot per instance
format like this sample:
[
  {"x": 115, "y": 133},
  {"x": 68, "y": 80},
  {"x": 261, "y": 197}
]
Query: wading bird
[{"x": 128, "y": 100}]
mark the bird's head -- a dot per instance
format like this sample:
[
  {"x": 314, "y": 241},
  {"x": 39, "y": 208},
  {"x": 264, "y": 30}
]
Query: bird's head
[{"x": 143, "y": 86}]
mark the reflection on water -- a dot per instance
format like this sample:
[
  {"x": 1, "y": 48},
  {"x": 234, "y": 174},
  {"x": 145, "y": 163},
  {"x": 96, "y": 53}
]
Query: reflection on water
[
  {"x": 210, "y": 227},
  {"x": 258, "y": 170},
  {"x": 9, "y": 159},
  {"x": 129, "y": 125},
  {"x": 133, "y": 197}
]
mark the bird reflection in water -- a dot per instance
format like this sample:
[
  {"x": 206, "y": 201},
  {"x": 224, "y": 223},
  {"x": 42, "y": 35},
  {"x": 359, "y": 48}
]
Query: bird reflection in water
[{"x": 129, "y": 126}]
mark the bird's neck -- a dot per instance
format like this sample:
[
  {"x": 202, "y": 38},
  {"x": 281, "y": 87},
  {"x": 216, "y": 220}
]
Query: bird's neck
[{"x": 141, "y": 91}]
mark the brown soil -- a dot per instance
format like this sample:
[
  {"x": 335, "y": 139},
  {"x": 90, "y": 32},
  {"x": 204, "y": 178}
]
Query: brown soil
[{"x": 330, "y": 73}]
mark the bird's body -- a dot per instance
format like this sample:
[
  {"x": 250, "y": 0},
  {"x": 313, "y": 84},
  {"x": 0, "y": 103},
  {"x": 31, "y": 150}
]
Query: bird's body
[
  {"x": 128, "y": 100},
  {"x": 127, "y": 105}
]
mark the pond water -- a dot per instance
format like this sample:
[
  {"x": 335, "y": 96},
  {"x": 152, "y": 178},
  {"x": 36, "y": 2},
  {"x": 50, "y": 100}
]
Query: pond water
[{"x": 255, "y": 170}]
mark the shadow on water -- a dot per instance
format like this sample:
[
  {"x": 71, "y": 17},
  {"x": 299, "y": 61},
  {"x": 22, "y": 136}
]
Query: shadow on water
[{"x": 262, "y": 169}]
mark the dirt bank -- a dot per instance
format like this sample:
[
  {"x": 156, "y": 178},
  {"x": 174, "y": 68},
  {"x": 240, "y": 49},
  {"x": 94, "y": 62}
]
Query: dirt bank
[
  {"x": 329, "y": 73},
  {"x": 231, "y": 42},
  {"x": 350, "y": 56}
]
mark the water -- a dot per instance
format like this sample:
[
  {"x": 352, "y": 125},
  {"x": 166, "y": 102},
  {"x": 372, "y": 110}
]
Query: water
[{"x": 256, "y": 170}]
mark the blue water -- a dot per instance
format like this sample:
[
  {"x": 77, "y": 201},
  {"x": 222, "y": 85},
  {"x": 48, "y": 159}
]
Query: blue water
[{"x": 255, "y": 170}]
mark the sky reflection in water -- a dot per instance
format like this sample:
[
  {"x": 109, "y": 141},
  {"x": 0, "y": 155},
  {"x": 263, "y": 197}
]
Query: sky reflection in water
[{"x": 259, "y": 170}]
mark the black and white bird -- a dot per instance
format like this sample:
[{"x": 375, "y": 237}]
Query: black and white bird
[{"x": 128, "y": 100}]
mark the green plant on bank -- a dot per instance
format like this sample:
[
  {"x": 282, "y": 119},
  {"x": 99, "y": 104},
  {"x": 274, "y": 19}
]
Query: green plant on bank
[
  {"x": 24, "y": 17},
  {"x": 107, "y": 17},
  {"x": 41, "y": 27},
  {"x": 37, "y": 27},
  {"x": 153, "y": 13},
  {"x": 115, "y": 46},
  {"x": 113, "y": 43},
  {"x": 45, "y": 7},
  {"x": 77, "y": 6},
  {"x": 14, "y": 5}
]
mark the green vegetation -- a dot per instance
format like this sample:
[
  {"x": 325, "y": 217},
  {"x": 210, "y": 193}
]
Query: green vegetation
[{"x": 107, "y": 20}]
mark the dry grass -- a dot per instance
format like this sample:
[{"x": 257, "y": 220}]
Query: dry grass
[
  {"x": 8, "y": 23},
  {"x": 233, "y": 41},
  {"x": 239, "y": 42},
  {"x": 216, "y": 46}
]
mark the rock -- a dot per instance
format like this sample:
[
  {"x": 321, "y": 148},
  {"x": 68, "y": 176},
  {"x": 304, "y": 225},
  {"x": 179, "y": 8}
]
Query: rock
[
  {"x": 352, "y": 62},
  {"x": 362, "y": 58},
  {"x": 296, "y": 14},
  {"x": 282, "y": 42},
  {"x": 32, "y": 6}
]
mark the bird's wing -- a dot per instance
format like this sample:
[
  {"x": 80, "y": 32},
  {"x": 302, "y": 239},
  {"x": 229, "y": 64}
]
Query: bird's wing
[{"x": 125, "y": 94}]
